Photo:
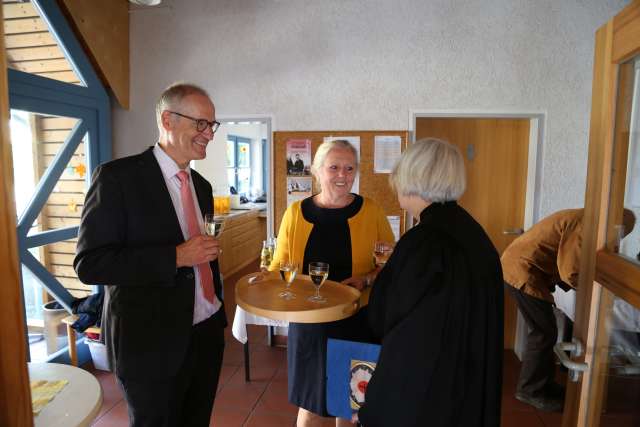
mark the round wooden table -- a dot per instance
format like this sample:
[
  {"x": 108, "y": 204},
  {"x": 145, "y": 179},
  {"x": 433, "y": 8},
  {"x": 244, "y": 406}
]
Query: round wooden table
[
  {"x": 78, "y": 402},
  {"x": 260, "y": 297}
]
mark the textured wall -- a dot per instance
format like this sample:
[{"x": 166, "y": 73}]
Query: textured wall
[{"x": 363, "y": 64}]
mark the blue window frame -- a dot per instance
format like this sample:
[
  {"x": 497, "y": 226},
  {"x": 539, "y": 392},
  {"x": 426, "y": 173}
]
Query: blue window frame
[{"x": 90, "y": 105}]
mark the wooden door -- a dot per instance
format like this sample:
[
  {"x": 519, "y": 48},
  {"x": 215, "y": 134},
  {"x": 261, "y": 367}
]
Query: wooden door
[
  {"x": 607, "y": 323},
  {"x": 496, "y": 159}
]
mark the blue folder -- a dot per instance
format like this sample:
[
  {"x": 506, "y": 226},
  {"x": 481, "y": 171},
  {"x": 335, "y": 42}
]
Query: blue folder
[{"x": 349, "y": 367}]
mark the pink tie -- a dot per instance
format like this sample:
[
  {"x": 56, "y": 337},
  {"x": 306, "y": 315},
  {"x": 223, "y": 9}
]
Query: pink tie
[{"x": 206, "y": 278}]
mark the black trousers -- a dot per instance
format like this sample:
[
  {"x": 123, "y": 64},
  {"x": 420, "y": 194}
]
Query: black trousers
[
  {"x": 187, "y": 399},
  {"x": 538, "y": 362}
]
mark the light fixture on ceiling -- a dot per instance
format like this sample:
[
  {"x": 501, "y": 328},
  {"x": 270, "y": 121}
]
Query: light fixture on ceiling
[{"x": 146, "y": 2}]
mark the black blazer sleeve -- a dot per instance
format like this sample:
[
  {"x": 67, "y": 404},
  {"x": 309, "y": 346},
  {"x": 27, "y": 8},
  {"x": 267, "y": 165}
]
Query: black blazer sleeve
[{"x": 107, "y": 253}]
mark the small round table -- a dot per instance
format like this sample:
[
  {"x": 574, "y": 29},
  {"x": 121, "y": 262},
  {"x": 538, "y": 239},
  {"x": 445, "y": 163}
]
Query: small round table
[
  {"x": 76, "y": 405},
  {"x": 260, "y": 297}
]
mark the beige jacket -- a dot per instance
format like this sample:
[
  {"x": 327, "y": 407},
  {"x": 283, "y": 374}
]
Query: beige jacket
[{"x": 545, "y": 255}]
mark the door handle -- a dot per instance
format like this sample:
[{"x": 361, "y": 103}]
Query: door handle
[
  {"x": 575, "y": 347},
  {"x": 513, "y": 231}
]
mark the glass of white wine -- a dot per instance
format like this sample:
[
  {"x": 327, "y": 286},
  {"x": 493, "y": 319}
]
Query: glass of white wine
[
  {"x": 318, "y": 271},
  {"x": 288, "y": 271},
  {"x": 213, "y": 225}
]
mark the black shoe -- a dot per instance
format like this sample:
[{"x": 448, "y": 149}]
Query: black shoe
[{"x": 542, "y": 402}]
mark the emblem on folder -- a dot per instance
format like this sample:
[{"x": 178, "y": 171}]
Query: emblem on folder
[{"x": 361, "y": 373}]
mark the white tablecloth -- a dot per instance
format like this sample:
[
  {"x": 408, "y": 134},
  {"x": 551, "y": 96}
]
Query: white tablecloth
[{"x": 242, "y": 318}]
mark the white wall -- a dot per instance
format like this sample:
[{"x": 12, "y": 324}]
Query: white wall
[{"x": 363, "y": 64}]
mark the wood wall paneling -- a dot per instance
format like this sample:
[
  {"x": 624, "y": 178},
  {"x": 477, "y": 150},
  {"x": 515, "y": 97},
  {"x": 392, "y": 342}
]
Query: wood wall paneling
[
  {"x": 18, "y": 10},
  {"x": 31, "y": 47},
  {"x": 15, "y": 404},
  {"x": 28, "y": 40},
  {"x": 103, "y": 28}
]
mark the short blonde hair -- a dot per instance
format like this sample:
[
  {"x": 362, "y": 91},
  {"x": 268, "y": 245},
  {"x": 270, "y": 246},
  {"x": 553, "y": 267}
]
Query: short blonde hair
[
  {"x": 431, "y": 169},
  {"x": 323, "y": 151},
  {"x": 173, "y": 95}
]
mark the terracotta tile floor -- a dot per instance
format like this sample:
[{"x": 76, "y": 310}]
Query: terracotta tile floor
[{"x": 263, "y": 401}]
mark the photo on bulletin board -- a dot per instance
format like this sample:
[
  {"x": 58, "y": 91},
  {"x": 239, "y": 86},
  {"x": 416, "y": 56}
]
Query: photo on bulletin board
[
  {"x": 355, "y": 141},
  {"x": 299, "y": 157},
  {"x": 298, "y": 188}
]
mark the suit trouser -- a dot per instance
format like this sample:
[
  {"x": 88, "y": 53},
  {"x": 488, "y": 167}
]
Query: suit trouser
[
  {"x": 538, "y": 360},
  {"x": 187, "y": 399}
]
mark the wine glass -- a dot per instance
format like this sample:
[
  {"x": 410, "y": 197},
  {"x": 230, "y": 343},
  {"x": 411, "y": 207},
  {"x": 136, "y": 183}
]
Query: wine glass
[
  {"x": 381, "y": 253},
  {"x": 213, "y": 225},
  {"x": 288, "y": 272},
  {"x": 318, "y": 271}
]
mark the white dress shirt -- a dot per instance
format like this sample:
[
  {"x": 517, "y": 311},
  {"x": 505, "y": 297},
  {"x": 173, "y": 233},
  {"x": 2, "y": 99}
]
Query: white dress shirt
[{"x": 202, "y": 309}]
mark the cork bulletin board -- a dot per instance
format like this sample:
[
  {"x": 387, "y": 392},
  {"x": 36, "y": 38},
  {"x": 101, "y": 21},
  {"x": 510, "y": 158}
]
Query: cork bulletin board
[{"x": 372, "y": 185}]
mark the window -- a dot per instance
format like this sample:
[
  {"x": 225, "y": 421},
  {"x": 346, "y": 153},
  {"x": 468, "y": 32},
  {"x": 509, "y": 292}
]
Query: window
[
  {"x": 60, "y": 131},
  {"x": 239, "y": 163}
]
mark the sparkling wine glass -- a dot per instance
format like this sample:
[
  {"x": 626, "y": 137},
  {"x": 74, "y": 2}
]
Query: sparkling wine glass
[
  {"x": 288, "y": 271},
  {"x": 213, "y": 225},
  {"x": 318, "y": 271}
]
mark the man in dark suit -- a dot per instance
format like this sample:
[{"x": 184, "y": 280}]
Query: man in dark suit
[{"x": 141, "y": 234}]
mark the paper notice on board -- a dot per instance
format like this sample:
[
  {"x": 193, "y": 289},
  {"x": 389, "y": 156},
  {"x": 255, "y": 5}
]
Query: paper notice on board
[
  {"x": 394, "y": 222},
  {"x": 355, "y": 141},
  {"x": 386, "y": 152},
  {"x": 299, "y": 157},
  {"x": 298, "y": 188}
]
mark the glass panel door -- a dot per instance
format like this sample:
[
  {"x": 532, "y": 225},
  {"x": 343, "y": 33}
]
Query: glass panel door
[
  {"x": 617, "y": 359},
  {"x": 607, "y": 391}
]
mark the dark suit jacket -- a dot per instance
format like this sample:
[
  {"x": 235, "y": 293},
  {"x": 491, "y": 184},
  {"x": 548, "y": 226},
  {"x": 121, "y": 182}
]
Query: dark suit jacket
[
  {"x": 127, "y": 240},
  {"x": 438, "y": 307}
]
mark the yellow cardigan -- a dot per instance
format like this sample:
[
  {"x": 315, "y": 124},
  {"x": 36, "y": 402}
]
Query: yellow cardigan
[{"x": 366, "y": 227}]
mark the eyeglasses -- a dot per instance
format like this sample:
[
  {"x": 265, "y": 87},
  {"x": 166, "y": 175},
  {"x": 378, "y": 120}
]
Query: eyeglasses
[{"x": 201, "y": 124}]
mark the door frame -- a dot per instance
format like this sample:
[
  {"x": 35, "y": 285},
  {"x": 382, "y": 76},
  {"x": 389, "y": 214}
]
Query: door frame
[
  {"x": 269, "y": 121},
  {"x": 615, "y": 42},
  {"x": 537, "y": 137}
]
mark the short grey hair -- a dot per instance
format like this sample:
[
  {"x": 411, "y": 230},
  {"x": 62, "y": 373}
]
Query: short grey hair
[
  {"x": 432, "y": 169},
  {"x": 323, "y": 151},
  {"x": 173, "y": 95}
]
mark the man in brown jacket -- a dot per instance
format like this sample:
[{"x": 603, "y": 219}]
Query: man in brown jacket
[{"x": 545, "y": 256}]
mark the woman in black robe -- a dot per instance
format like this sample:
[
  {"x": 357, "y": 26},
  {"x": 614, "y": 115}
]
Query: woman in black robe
[{"x": 437, "y": 305}]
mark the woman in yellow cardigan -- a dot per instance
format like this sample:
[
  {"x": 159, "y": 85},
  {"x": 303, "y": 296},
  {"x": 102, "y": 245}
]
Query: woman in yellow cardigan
[{"x": 340, "y": 228}]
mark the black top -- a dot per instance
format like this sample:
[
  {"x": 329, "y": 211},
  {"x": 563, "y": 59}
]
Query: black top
[
  {"x": 330, "y": 239},
  {"x": 438, "y": 307}
]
